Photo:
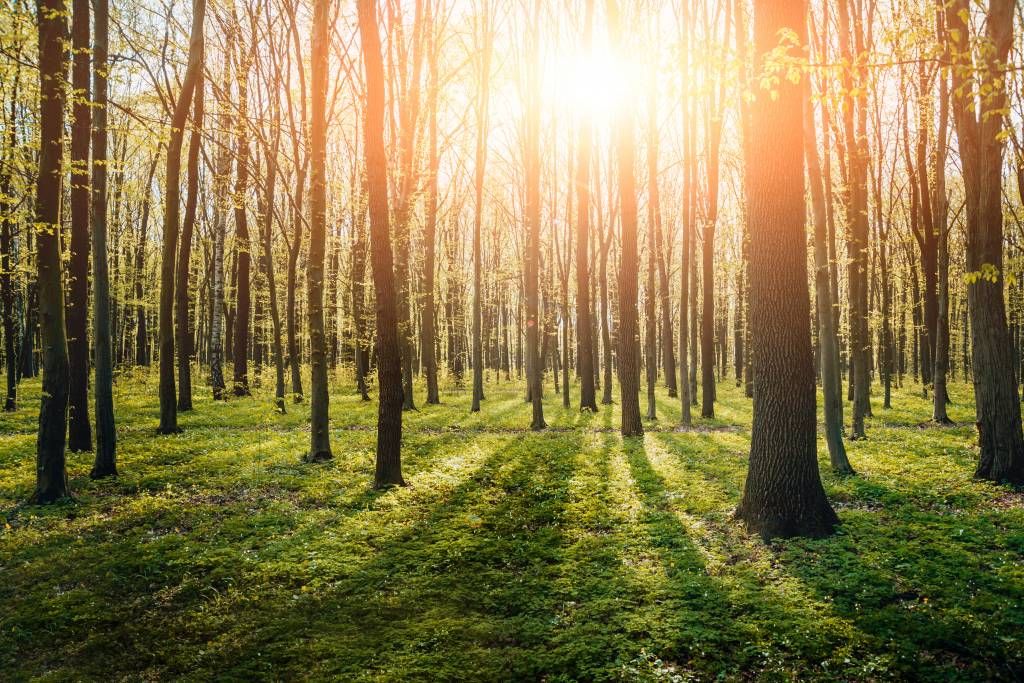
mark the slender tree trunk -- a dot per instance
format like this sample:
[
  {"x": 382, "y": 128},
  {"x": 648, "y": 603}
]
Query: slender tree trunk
[
  {"x": 783, "y": 495},
  {"x": 479, "y": 167},
  {"x": 51, "y": 476},
  {"x": 653, "y": 247},
  {"x": 79, "y": 427},
  {"x": 827, "y": 338},
  {"x": 243, "y": 291},
  {"x": 181, "y": 293},
  {"x": 105, "y": 463},
  {"x": 168, "y": 405},
  {"x": 628, "y": 331},
  {"x": 389, "y": 369},
  {"x": 320, "y": 436},
  {"x": 6, "y": 256},
  {"x": 430, "y": 235},
  {"x": 531, "y": 260}
]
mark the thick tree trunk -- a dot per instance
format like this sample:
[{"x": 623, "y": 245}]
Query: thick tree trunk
[
  {"x": 783, "y": 495},
  {"x": 105, "y": 463},
  {"x": 389, "y": 369},
  {"x": 168, "y": 405},
  {"x": 79, "y": 427},
  {"x": 997, "y": 403},
  {"x": 51, "y": 476}
]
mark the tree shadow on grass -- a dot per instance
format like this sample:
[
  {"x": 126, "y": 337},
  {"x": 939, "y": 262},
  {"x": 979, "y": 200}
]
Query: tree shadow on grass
[
  {"x": 114, "y": 577},
  {"x": 465, "y": 590}
]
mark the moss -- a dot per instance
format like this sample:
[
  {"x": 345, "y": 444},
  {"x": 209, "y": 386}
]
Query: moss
[{"x": 564, "y": 555}]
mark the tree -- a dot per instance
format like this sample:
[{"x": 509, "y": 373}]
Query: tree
[
  {"x": 79, "y": 427},
  {"x": 480, "y": 104},
  {"x": 105, "y": 463},
  {"x": 783, "y": 495},
  {"x": 531, "y": 257},
  {"x": 181, "y": 289},
  {"x": 979, "y": 83},
  {"x": 827, "y": 339},
  {"x": 389, "y": 369},
  {"x": 320, "y": 437},
  {"x": 51, "y": 476},
  {"x": 629, "y": 332},
  {"x": 585, "y": 343},
  {"x": 168, "y": 404},
  {"x": 243, "y": 291}
]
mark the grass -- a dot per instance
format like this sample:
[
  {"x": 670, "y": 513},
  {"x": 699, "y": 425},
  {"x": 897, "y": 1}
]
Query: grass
[{"x": 565, "y": 555}]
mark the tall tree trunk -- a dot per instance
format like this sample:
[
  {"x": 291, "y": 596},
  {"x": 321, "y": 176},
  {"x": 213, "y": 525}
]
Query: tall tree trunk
[
  {"x": 428, "y": 335},
  {"x": 479, "y": 167},
  {"x": 221, "y": 202},
  {"x": 141, "y": 333},
  {"x": 653, "y": 228},
  {"x": 243, "y": 290},
  {"x": 389, "y": 369},
  {"x": 857, "y": 219},
  {"x": 827, "y": 338},
  {"x": 629, "y": 332},
  {"x": 783, "y": 495},
  {"x": 978, "y": 129},
  {"x": 319, "y": 428},
  {"x": 79, "y": 427},
  {"x": 105, "y": 463},
  {"x": 7, "y": 254},
  {"x": 584, "y": 328},
  {"x": 168, "y": 405},
  {"x": 51, "y": 476},
  {"x": 941, "y": 207},
  {"x": 531, "y": 259},
  {"x": 181, "y": 295}
]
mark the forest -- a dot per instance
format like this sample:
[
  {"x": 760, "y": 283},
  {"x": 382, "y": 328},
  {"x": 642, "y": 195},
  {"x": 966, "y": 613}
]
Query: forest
[{"x": 526, "y": 340}]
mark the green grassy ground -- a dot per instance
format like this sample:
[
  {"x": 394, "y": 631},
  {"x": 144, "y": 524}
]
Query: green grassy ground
[{"x": 566, "y": 555}]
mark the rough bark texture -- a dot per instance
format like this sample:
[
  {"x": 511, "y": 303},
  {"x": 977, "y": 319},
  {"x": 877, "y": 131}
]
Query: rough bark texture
[
  {"x": 629, "y": 332},
  {"x": 51, "y": 477},
  {"x": 996, "y": 399},
  {"x": 105, "y": 463},
  {"x": 319, "y": 426},
  {"x": 389, "y": 371},
  {"x": 79, "y": 427},
  {"x": 783, "y": 495}
]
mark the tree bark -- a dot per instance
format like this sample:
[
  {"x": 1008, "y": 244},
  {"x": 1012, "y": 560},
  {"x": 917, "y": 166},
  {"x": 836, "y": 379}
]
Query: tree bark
[
  {"x": 51, "y": 476},
  {"x": 79, "y": 427},
  {"x": 168, "y": 405},
  {"x": 389, "y": 368},
  {"x": 629, "y": 332},
  {"x": 997, "y": 403},
  {"x": 181, "y": 327},
  {"x": 105, "y": 463},
  {"x": 783, "y": 495},
  {"x": 827, "y": 339}
]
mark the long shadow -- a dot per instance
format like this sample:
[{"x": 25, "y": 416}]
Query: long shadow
[
  {"x": 473, "y": 574},
  {"x": 156, "y": 552}
]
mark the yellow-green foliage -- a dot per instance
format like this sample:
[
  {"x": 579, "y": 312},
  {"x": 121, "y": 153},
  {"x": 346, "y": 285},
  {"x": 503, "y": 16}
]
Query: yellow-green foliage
[{"x": 563, "y": 555}]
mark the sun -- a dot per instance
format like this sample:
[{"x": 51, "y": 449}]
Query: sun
[{"x": 590, "y": 84}]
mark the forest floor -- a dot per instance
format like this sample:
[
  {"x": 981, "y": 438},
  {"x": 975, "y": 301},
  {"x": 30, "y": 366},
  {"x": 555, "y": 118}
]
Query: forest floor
[{"x": 570, "y": 554}]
